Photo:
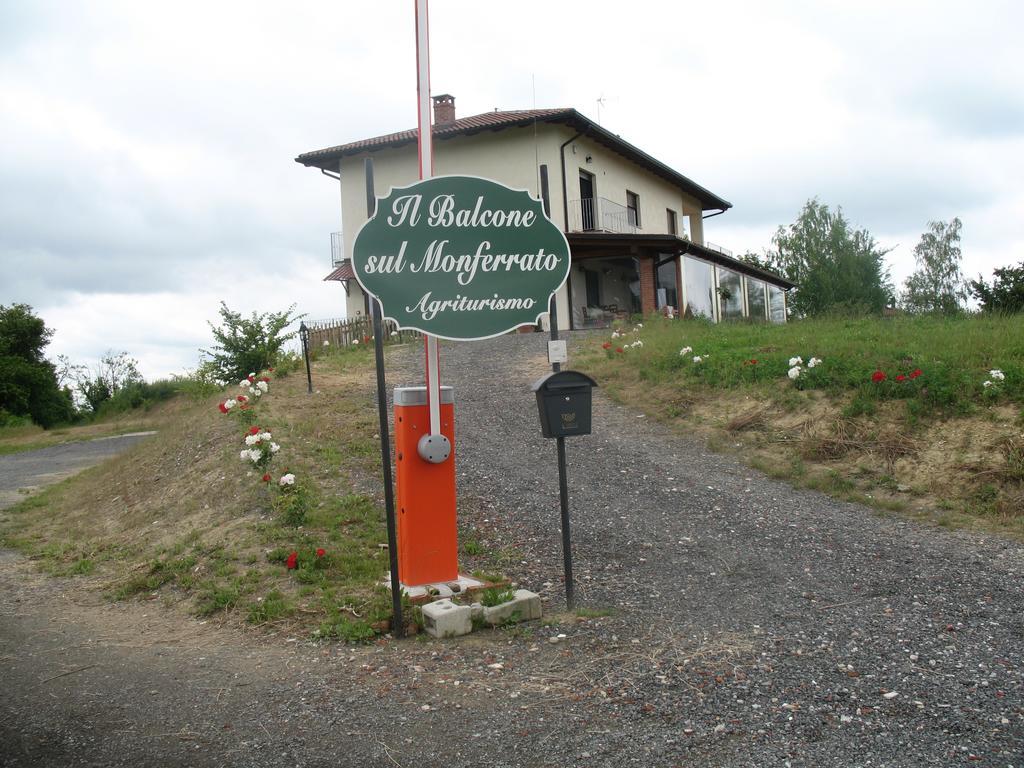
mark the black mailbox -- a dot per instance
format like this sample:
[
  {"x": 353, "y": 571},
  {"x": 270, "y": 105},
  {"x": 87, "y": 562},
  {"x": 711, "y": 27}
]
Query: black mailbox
[{"x": 563, "y": 399}]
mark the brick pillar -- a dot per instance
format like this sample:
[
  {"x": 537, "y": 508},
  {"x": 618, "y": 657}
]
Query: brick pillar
[{"x": 648, "y": 303}]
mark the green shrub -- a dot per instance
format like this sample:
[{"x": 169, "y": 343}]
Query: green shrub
[
  {"x": 246, "y": 345},
  {"x": 292, "y": 503}
]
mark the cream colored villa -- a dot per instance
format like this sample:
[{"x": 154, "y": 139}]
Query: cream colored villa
[{"x": 635, "y": 226}]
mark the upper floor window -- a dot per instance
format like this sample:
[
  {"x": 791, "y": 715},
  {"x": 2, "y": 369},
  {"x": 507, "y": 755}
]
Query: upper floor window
[
  {"x": 633, "y": 208},
  {"x": 673, "y": 224}
]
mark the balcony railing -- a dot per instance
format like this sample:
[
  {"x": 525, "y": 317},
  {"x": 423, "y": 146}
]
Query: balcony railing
[
  {"x": 719, "y": 248},
  {"x": 598, "y": 214},
  {"x": 337, "y": 249}
]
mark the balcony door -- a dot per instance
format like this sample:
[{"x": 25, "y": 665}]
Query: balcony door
[{"x": 587, "y": 200}]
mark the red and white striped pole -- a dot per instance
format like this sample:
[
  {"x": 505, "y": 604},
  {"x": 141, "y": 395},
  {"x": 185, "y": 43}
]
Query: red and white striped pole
[{"x": 426, "y": 158}]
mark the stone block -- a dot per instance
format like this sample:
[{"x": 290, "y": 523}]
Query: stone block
[
  {"x": 443, "y": 618},
  {"x": 523, "y": 606}
]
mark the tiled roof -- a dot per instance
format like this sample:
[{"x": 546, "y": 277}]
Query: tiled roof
[
  {"x": 327, "y": 159},
  {"x": 464, "y": 125},
  {"x": 342, "y": 272}
]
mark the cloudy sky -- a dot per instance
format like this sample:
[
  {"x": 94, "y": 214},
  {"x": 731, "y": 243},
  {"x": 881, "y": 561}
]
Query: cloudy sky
[{"x": 146, "y": 149}]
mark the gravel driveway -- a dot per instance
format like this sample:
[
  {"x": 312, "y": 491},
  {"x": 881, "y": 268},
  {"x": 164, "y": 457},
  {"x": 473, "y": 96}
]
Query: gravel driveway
[{"x": 751, "y": 625}]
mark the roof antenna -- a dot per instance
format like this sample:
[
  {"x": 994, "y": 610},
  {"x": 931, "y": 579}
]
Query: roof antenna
[{"x": 600, "y": 103}]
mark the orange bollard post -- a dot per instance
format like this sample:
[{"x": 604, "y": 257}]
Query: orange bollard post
[{"x": 427, "y": 528}]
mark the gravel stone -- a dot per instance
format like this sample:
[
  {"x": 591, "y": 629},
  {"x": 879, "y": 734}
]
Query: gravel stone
[{"x": 752, "y": 625}]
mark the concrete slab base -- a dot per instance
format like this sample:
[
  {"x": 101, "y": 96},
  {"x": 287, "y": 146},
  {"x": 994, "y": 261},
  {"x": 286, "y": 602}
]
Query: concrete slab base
[
  {"x": 524, "y": 606},
  {"x": 443, "y": 618},
  {"x": 425, "y": 592}
]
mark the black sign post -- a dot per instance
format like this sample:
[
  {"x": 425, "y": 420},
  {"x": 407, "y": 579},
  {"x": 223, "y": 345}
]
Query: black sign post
[
  {"x": 397, "y": 623},
  {"x": 563, "y": 482}
]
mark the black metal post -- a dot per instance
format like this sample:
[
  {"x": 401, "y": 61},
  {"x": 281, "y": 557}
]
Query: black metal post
[
  {"x": 397, "y": 623},
  {"x": 563, "y": 482},
  {"x": 304, "y": 335},
  {"x": 563, "y": 497}
]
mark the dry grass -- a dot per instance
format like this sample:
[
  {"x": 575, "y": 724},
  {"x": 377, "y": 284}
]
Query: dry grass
[{"x": 180, "y": 516}]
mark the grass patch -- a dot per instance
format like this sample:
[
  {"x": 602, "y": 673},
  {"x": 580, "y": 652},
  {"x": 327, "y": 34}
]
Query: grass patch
[
  {"x": 930, "y": 432},
  {"x": 493, "y": 596},
  {"x": 594, "y": 613}
]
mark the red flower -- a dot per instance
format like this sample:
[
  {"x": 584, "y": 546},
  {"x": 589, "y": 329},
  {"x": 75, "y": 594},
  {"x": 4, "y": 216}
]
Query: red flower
[
  {"x": 901, "y": 377},
  {"x": 606, "y": 345},
  {"x": 750, "y": 362},
  {"x": 293, "y": 561},
  {"x": 878, "y": 377},
  {"x": 242, "y": 399},
  {"x": 222, "y": 408},
  {"x": 915, "y": 373},
  {"x": 254, "y": 430},
  {"x": 265, "y": 378},
  {"x": 266, "y": 478},
  {"x": 321, "y": 552},
  {"x": 620, "y": 350},
  {"x": 250, "y": 378},
  {"x": 270, "y": 369},
  {"x": 366, "y": 339}
]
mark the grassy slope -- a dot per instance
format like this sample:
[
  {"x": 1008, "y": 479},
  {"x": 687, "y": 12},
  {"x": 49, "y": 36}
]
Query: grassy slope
[
  {"x": 183, "y": 515},
  {"x": 940, "y": 445}
]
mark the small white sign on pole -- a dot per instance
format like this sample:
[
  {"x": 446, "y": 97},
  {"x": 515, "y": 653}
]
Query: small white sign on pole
[{"x": 557, "y": 352}]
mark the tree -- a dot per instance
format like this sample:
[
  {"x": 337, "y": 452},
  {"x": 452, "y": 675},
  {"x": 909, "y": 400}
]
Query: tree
[
  {"x": 113, "y": 374},
  {"x": 28, "y": 381},
  {"x": 246, "y": 345},
  {"x": 1006, "y": 294},
  {"x": 937, "y": 284},
  {"x": 836, "y": 268},
  {"x": 765, "y": 262}
]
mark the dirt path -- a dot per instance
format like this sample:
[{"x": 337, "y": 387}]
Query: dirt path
[
  {"x": 35, "y": 469},
  {"x": 751, "y": 625}
]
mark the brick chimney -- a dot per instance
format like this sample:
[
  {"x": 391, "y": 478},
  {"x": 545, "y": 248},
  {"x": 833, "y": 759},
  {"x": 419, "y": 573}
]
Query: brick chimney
[{"x": 444, "y": 109}]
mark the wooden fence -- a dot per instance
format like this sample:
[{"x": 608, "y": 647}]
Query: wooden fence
[{"x": 342, "y": 333}]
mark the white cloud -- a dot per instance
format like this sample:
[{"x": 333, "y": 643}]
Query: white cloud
[{"x": 146, "y": 156}]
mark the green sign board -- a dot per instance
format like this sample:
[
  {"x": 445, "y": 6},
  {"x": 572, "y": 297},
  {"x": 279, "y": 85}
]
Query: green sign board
[{"x": 461, "y": 257}]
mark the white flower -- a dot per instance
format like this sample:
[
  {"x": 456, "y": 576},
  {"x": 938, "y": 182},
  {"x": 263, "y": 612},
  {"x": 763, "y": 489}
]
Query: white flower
[
  {"x": 355, "y": 342},
  {"x": 813, "y": 362},
  {"x": 262, "y": 386},
  {"x": 256, "y": 391},
  {"x": 637, "y": 343},
  {"x": 274, "y": 447},
  {"x": 986, "y": 384},
  {"x": 327, "y": 343},
  {"x": 698, "y": 359},
  {"x": 794, "y": 372},
  {"x": 638, "y": 326},
  {"x": 229, "y": 404},
  {"x": 685, "y": 351},
  {"x": 244, "y": 455},
  {"x": 245, "y": 383},
  {"x": 996, "y": 374},
  {"x": 251, "y": 440},
  {"x": 796, "y": 361},
  {"x": 264, "y": 436},
  {"x": 615, "y": 334},
  {"x": 255, "y": 454},
  {"x": 252, "y": 375},
  {"x": 288, "y": 479}
]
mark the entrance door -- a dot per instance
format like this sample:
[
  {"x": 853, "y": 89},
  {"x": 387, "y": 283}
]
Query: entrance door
[{"x": 587, "y": 201}]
